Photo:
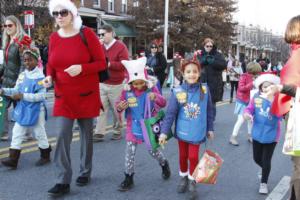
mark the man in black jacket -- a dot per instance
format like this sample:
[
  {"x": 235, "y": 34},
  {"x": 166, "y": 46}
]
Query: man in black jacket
[{"x": 213, "y": 63}]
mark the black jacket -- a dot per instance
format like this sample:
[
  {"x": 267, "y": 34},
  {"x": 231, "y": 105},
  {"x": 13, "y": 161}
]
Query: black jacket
[{"x": 213, "y": 63}]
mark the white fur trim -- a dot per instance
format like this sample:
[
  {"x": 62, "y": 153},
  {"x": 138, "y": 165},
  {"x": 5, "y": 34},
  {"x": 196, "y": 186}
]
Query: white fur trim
[
  {"x": 191, "y": 177},
  {"x": 266, "y": 78},
  {"x": 67, "y": 4},
  {"x": 183, "y": 174},
  {"x": 77, "y": 22}
]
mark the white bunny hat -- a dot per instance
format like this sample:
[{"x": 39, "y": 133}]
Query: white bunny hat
[{"x": 136, "y": 71}]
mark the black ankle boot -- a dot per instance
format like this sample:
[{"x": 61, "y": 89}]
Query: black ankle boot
[
  {"x": 127, "y": 184},
  {"x": 166, "y": 172},
  {"x": 59, "y": 190}
]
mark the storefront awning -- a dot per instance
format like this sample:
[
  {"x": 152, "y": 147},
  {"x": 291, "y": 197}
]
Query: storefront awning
[{"x": 121, "y": 29}]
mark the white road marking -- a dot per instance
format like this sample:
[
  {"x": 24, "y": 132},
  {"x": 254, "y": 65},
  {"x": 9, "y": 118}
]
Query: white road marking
[{"x": 280, "y": 190}]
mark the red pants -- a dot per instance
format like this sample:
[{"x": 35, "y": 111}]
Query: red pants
[{"x": 188, "y": 152}]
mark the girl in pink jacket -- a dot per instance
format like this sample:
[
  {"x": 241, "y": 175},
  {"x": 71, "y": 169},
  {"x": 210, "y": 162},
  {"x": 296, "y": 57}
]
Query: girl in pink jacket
[
  {"x": 242, "y": 99},
  {"x": 133, "y": 100}
]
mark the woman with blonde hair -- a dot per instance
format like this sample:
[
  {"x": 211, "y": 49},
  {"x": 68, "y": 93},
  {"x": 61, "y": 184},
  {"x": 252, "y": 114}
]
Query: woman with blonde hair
[
  {"x": 76, "y": 87},
  {"x": 13, "y": 39}
]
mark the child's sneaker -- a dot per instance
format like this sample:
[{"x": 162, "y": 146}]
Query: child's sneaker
[
  {"x": 182, "y": 186},
  {"x": 192, "y": 190},
  {"x": 263, "y": 188},
  {"x": 233, "y": 141}
]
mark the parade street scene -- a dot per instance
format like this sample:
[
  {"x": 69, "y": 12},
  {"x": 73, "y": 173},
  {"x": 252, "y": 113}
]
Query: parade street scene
[{"x": 150, "y": 100}]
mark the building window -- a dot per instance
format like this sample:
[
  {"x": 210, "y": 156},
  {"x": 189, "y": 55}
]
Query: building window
[
  {"x": 135, "y": 3},
  {"x": 96, "y": 3},
  {"x": 111, "y": 5},
  {"x": 124, "y": 6}
]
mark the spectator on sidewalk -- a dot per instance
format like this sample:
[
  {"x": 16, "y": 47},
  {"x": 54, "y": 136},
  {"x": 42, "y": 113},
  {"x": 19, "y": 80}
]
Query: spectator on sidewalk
[
  {"x": 76, "y": 87},
  {"x": 157, "y": 64},
  {"x": 12, "y": 66},
  {"x": 212, "y": 63},
  {"x": 235, "y": 71},
  {"x": 110, "y": 90},
  {"x": 264, "y": 62}
]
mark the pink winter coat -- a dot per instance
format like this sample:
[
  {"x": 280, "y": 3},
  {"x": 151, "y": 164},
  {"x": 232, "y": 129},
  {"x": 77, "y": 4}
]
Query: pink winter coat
[
  {"x": 245, "y": 85},
  {"x": 159, "y": 103}
]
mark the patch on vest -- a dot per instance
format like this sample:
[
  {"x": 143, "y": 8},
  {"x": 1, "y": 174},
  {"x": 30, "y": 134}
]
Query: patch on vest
[
  {"x": 132, "y": 102},
  {"x": 181, "y": 97},
  {"x": 191, "y": 110},
  {"x": 204, "y": 89},
  {"x": 258, "y": 102}
]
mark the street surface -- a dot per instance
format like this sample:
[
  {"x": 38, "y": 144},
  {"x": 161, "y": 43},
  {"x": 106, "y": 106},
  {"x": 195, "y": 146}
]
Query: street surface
[{"x": 237, "y": 180}]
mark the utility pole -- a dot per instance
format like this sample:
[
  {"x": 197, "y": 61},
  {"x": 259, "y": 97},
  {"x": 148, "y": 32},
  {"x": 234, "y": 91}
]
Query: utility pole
[{"x": 166, "y": 28}]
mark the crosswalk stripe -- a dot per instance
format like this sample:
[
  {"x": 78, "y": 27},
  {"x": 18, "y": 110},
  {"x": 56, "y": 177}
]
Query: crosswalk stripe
[{"x": 281, "y": 189}]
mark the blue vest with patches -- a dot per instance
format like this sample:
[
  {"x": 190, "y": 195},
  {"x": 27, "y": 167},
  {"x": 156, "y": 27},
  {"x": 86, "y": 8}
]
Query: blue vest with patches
[
  {"x": 265, "y": 124},
  {"x": 136, "y": 108},
  {"x": 191, "y": 123},
  {"x": 27, "y": 113}
]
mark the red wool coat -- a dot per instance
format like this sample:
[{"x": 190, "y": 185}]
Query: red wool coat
[{"x": 76, "y": 97}]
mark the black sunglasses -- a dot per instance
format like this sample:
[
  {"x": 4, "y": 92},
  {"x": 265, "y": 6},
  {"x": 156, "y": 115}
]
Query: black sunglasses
[
  {"x": 101, "y": 34},
  {"x": 153, "y": 47},
  {"x": 8, "y": 25},
  {"x": 62, "y": 13}
]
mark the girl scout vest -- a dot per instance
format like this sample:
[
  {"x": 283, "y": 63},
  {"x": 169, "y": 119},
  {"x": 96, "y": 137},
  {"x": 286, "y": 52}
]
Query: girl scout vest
[
  {"x": 265, "y": 124},
  {"x": 27, "y": 113},
  {"x": 191, "y": 120},
  {"x": 136, "y": 107}
]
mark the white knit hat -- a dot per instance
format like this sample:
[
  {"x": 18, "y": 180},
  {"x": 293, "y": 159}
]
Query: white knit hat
[
  {"x": 266, "y": 78},
  {"x": 136, "y": 71},
  {"x": 69, "y": 5}
]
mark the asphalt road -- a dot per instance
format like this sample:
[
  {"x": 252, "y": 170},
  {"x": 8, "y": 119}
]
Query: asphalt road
[{"x": 237, "y": 179}]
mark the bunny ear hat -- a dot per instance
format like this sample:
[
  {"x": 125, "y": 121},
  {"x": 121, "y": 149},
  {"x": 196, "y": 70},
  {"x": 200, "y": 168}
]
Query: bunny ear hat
[{"x": 136, "y": 71}]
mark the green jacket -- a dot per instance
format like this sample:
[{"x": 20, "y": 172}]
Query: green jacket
[{"x": 12, "y": 66}]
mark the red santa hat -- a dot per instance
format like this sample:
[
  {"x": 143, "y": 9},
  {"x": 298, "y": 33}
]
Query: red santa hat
[
  {"x": 69, "y": 5},
  {"x": 136, "y": 71}
]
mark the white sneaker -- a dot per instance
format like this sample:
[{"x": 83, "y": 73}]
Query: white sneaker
[
  {"x": 233, "y": 141},
  {"x": 263, "y": 188}
]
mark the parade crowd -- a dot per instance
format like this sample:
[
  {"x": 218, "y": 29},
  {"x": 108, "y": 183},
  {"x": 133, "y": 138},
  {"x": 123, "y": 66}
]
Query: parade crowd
[{"x": 96, "y": 76}]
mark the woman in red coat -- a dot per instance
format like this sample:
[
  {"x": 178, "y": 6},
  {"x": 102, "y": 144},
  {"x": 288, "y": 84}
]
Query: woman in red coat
[{"x": 73, "y": 69}]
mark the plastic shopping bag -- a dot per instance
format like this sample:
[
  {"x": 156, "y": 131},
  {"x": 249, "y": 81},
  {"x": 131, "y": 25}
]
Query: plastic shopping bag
[
  {"x": 291, "y": 145},
  {"x": 208, "y": 168}
]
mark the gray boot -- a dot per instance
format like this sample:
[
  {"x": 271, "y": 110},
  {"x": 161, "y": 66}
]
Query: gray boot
[
  {"x": 192, "y": 190},
  {"x": 182, "y": 186}
]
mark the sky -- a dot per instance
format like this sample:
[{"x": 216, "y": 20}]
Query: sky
[{"x": 270, "y": 14}]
